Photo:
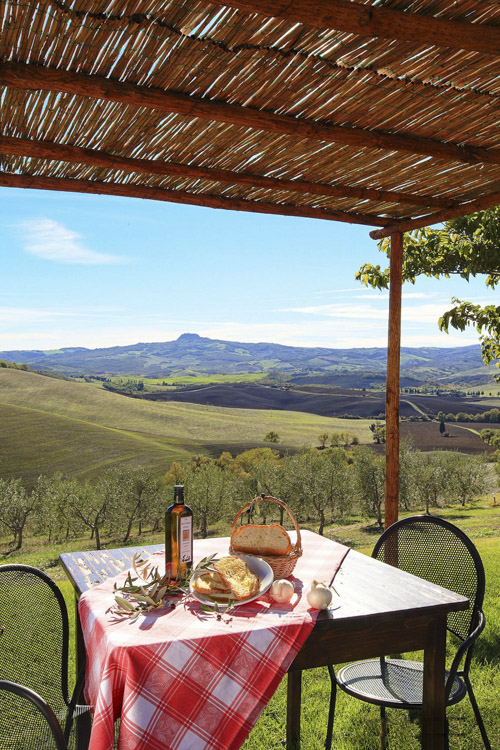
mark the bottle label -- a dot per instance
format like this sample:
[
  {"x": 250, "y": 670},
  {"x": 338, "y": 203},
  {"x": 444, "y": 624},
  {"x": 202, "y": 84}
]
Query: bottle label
[{"x": 186, "y": 537}]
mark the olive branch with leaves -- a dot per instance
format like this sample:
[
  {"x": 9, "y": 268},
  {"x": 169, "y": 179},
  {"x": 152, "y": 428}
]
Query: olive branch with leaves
[{"x": 149, "y": 590}]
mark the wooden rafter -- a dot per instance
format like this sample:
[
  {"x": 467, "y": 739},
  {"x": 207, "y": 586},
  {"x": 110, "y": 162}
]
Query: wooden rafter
[
  {"x": 462, "y": 209},
  {"x": 78, "y": 155},
  {"x": 371, "y": 21},
  {"x": 130, "y": 190},
  {"x": 33, "y": 77}
]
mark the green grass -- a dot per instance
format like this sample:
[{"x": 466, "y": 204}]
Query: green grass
[
  {"x": 196, "y": 379},
  {"x": 356, "y": 724},
  {"x": 35, "y": 442},
  {"x": 49, "y": 425}
]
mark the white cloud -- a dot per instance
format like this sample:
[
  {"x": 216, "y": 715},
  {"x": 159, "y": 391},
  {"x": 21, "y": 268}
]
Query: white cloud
[
  {"x": 30, "y": 315},
  {"x": 343, "y": 310},
  {"x": 50, "y": 240},
  {"x": 369, "y": 311}
]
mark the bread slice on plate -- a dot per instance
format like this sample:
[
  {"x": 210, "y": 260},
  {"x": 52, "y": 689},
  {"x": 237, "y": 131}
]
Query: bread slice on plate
[
  {"x": 237, "y": 575},
  {"x": 211, "y": 583},
  {"x": 230, "y": 579},
  {"x": 255, "y": 539}
]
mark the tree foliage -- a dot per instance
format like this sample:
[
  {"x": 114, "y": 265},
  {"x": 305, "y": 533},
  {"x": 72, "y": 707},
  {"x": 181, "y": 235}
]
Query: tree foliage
[
  {"x": 465, "y": 247},
  {"x": 318, "y": 485},
  {"x": 272, "y": 437}
]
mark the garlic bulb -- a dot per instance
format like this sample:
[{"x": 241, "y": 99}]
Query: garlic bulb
[
  {"x": 319, "y": 595},
  {"x": 282, "y": 591}
]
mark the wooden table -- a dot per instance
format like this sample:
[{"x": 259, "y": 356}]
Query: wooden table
[{"x": 381, "y": 610}]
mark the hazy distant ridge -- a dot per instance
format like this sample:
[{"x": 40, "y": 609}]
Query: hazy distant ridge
[{"x": 191, "y": 352}]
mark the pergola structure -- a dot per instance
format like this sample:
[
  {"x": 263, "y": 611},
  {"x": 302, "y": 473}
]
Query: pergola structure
[{"x": 378, "y": 112}]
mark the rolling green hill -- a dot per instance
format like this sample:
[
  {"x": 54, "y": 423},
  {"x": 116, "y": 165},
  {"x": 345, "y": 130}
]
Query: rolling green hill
[{"x": 49, "y": 425}]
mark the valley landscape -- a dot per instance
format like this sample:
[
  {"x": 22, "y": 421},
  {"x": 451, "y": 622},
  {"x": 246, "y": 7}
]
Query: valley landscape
[{"x": 151, "y": 404}]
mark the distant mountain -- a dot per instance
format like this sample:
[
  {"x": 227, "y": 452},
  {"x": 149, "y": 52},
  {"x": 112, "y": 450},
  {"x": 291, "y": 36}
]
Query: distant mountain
[{"x": 190, "y": 354}]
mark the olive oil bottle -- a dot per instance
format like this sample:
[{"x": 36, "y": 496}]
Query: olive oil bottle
[{"x": 178, "y": 536}]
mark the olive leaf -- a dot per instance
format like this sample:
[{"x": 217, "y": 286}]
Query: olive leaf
[{"x": 148, "y": 589}]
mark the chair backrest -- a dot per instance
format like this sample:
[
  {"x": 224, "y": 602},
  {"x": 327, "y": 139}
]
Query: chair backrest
[
  {"x": 26, "y": 721},
  {"x": 441, "y": 553},
  {"x": 34, "y": 634}
]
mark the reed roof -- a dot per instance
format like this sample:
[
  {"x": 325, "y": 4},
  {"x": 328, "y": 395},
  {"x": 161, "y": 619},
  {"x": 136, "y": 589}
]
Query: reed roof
[{"x": 380, "y": 112}]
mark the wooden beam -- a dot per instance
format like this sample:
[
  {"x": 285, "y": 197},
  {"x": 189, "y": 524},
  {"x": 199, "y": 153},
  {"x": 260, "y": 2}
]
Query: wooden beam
[
  {"x": 371, "y": 21},
  {"x": 33, "y": 78},
  {"x": 128, "y": 190},
  {"x": 392, "y": 383},
  {"x": 463, "y": 209},
  {"x": 78, "y": 155}
]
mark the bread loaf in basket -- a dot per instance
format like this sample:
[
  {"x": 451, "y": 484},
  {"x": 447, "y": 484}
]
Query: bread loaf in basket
[{"x": 270, "y": 542}]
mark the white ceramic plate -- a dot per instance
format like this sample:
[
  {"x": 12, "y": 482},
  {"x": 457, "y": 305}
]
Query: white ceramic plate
[{"x": 261, "y": 569}]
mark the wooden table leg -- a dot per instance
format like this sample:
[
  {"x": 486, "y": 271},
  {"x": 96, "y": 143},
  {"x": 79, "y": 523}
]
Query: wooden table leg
[
  {"x": 433, "y": 710},
  {"x": 294, "y": 692}
]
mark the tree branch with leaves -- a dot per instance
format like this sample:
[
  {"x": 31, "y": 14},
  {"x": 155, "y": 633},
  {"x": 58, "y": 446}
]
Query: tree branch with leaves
[{"x": 466, "y": 247}]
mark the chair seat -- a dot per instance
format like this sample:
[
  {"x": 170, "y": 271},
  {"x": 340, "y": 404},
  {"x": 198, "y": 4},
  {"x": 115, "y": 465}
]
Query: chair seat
[{"x": 400, "y": 687}]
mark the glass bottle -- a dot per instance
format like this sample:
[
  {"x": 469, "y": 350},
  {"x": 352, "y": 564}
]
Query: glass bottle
[{"x": 178, "y": 536}]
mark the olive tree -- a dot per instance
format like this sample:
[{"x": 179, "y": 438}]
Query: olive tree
[
  {"x": 369, "y": 472},
  {"x": 208, "y": 493},
  {"x": 16, "y": 505},
  {"x": 317, "y": 483},
  {"x": 467, "y": 476},
  {"x": 54, "y": 513},
  {"x": 97, "y": 505}
]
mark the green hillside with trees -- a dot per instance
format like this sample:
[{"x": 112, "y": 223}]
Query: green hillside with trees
[{"x": 49, "y": 425}]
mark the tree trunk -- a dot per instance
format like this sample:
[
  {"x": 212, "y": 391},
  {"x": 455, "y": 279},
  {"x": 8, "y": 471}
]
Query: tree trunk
[
  {"x": 130, "y": 522},
  {"x": 19, "y": 538},
  {"x": 97, "y": 538},
  {"x": 204, "y": 526},
  {"x": 321, "y": 522}
]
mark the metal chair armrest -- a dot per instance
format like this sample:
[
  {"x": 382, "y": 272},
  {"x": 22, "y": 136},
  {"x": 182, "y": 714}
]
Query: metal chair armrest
[
  {"x": 465, "y": 648},
  {"x": 39, "y": 703}
]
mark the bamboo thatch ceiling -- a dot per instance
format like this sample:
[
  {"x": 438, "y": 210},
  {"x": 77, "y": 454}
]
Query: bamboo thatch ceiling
[{"x": 377, "y": 112}]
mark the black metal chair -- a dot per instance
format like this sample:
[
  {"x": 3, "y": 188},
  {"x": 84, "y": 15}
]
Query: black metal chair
[
  {"x": 34, "y": 639},
  {"x": 439, "y": 552},
  {"x": 27, "y": 720}
]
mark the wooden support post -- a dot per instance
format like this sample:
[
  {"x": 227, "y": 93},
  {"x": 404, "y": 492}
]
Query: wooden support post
[{"x": 392, "y": 383}]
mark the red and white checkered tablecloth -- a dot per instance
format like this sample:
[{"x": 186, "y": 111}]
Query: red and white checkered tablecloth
[{"x": 182, "y": 680}]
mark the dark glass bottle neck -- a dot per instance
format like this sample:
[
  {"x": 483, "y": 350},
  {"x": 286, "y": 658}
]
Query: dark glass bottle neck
[{"x": 179, "y": 494}]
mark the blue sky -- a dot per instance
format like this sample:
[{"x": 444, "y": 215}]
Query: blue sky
[{"x": 100, "y": 271}]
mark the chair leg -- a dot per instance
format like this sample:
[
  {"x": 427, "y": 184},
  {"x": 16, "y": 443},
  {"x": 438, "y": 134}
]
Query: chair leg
[
  {"x": 331, "y": 712},
  {"x": 477, "y": 713},
  {"x": 383, "y": 728},
  {"x": 83, "y": 729}
]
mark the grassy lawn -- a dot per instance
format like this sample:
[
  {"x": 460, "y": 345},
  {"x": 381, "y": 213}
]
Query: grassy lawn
[
  {"x": 49, "y": 425},
  {"x": 357, "y": 724},
  {"x": 195, "y": 379}
]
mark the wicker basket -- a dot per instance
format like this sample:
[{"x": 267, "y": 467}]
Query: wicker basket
[{"x": 282, "y": 565}]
